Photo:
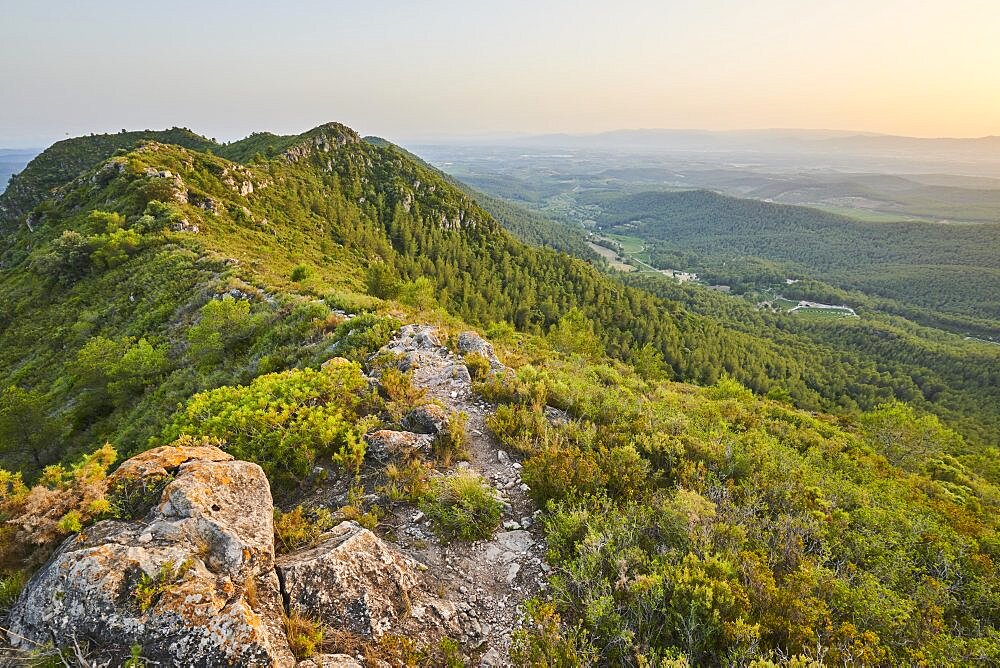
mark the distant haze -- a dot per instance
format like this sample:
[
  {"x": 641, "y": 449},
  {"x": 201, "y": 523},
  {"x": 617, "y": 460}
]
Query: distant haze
[{"x": 416, "y": 71}]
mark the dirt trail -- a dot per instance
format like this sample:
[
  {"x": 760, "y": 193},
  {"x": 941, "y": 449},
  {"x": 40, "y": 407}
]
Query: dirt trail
[{"x": 488, "y": 579}]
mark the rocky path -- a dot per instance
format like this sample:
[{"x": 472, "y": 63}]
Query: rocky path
[{"x": 488, "y": 580}]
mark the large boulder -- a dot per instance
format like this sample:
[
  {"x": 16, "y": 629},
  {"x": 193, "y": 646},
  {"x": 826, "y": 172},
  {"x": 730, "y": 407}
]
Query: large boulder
[
  {"x": 193, "y": 583},
  {"x": 357, "y": 582}
]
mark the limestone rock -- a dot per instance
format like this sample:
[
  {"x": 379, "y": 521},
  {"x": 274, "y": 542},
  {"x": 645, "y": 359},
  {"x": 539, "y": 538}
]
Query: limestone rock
[
  {"x": 329, "y": 661},
  {"x": 355, "y": 581},
  {"x": 470, "y": 342},
  {"x": 386, "y": 444},
  {"x": 204, "y": 555},
  {"x": 427, "y": 419}
]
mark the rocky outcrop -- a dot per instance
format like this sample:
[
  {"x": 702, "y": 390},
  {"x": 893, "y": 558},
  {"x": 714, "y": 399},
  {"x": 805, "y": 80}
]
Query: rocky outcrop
[
  {"x": 196, "y": 582},
  {"x": 193, "y": 584},
  {"x": 356, "y": 582},
  {"x": 470, "y": 342}
]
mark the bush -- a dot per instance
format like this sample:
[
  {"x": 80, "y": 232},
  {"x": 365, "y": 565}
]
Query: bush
[
  {"x": 361, "y": 336},
  {"x": 544, "y": 642},
  {"x": 149, "y": 588},
  {"x": 284, "y": 421},
  {"x": 418, "y": 293},
  {"x": 299, "y": 528},
  {"x": 408, "y": 483},
  {"x": 300, "y": 273},
  {"x": 11, "y": 584},
  {"x": 478, "y": 365},
  {"x": 26, "y": 430},
  {"x": 556, "y": 473},
  {"x": 63, "y": 502},
  {"x": 452, "y": 443},
  {"x": 354, "y": 509},
  {"x": 519, "y": 428},
  {"x": 224, "y": 325},
  {"x": 462, "y": 506},
  {"x": 400, "y": 394},
  {"x": 305, "y": 635}
]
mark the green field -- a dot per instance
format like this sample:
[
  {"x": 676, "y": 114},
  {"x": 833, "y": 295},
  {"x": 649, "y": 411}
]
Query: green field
[{"x": 630, "y": 245}]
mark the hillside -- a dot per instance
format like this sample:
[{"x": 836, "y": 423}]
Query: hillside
[
  {"x": 952, "y": 269},
  {"x": 196, "y": 295}
]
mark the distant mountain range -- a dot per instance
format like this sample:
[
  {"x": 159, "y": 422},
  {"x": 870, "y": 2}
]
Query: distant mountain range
[{"x": 810, "y": 141}]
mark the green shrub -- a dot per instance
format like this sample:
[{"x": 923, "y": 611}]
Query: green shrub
[
  {"x": 305, "y": 635},
  {"x": 401, "y": 395},
  {"x": 149, "y": 588},
  {"x": 556, "y": 473},
  {"x": 225, "y": 324},
  {"x": 284, "y": 421},
  {"x": 519, "y": 428},
  {"x": 418, "y": 293},
  {"x": 300, "y": 528},
  {"x": 462, "y": 506},
  {"x": 354, "y": 509},
  {"x": 478, "y": 365},
  {"x": 361, "y": 336},
  {"x": 407, "y": 483},
  {"x": 452, "y": 444},
  {"x": 11, "y": 584},
  {"x": 300, "y": 273},
  {"x": 545, "y": 641}
]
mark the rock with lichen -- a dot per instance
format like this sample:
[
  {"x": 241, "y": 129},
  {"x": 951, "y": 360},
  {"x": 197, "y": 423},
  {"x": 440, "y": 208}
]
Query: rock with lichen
[{"x": 192, "y": 583}]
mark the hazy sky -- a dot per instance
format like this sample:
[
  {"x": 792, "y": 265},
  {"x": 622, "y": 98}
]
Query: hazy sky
[{"x": 420, "y": 68}]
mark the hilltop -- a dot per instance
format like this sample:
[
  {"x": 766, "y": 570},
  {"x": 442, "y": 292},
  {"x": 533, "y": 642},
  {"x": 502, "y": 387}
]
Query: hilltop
[{"x": 600, "y": 475}]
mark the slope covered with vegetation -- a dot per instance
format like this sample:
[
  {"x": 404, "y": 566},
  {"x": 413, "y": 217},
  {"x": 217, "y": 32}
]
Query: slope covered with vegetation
[
  {"x": 950, "y": 268},
  {"x": 167, "y": 292}
]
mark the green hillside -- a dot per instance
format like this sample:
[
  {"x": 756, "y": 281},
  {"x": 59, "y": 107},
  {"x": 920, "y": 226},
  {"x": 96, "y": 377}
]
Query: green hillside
[
  {"x": 937, "y": 271},
  {"x": 789, "y": 507}
]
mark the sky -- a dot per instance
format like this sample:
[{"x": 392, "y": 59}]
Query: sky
[{"x": 425, "y": 69}]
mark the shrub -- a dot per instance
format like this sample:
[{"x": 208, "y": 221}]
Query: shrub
[
  {"x": 26, "y": 430},
  {"x": 299, "y": 528},
  {"x": 478, "y": 365},
  {"x": 149, "y": 588},
  {"x": 519, "y": 428},
  {"x": 407, "y": 483},
  {"x": 11, "y": 584},
  {"x": 305, "y": 635},
  {"x": 545, "y": 642},
  {"x": 400, "y": 394},
  {"x": 354, "y": 509},
  {"x": 418, "y": 293},
  {"x": 63, "y": 502},
  {"x": 626, "y": 472},
  {"x": 132, "y": 498},
  {"x": 729, "y": 388},
  {"x": 361, "y": 336},
  {"x": 462, "y": 506},
  {"x": 556, "y": 473},
  {"x": 300, "y": 273},
  {"x": 452, "y": 443},
  {"x": 225, "y": 324},
  {"x": 284, "y": 421},
  {"x": 65, "y": 259}
]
